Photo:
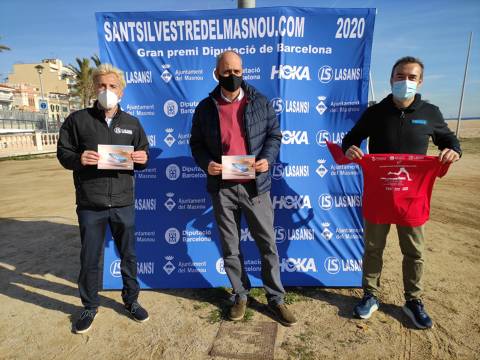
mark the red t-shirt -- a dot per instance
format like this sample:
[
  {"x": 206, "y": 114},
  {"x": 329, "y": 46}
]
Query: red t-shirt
[{"x": 396, "y": 187}]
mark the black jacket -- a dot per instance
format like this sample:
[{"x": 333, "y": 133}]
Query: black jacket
[
  {"x": 262, "y": 133},
  {"x": 406, "y": 131},
  {"x": 84, "y": 130}
]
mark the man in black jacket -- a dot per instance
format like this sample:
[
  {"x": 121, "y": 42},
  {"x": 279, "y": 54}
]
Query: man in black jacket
[
  {"x": 235, "y": 119},
  {"x": 104, "y": 197},
  {"x": 403, "y": 124}
]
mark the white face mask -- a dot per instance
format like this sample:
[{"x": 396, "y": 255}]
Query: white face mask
[{"x": 107, "y": 99}]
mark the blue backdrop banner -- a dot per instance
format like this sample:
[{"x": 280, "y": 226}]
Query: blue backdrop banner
[{"x": 313, "y": 64}]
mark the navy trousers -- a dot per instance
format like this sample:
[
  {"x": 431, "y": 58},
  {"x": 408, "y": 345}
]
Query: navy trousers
[{"x": 93, "y": 224}]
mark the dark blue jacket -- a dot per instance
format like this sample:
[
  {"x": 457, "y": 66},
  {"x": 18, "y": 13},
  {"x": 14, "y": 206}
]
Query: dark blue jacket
[{"x": 262, "y": 133}]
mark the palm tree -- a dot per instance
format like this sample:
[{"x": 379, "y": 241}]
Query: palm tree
[
  {"x": 83, "y": 75},
  {"x": 3, "y": 47},
  {"x": 96, "y": 60}
]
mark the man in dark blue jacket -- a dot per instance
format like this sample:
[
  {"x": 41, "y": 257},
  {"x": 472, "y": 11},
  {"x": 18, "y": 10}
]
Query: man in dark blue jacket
[
  {"x": 402, "y": 123},
  {"x": 104, "y": 197},
  {"x": 235, "y": 119}
]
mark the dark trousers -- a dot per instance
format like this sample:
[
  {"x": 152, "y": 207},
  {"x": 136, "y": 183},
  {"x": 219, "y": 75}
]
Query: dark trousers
[
  {"x": 229, "y": 204},
  {"x": 93, "y": 224}
]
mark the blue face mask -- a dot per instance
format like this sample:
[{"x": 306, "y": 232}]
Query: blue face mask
[{"x": 403, "y": 90}]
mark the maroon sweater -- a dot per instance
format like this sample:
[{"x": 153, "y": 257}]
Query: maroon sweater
[{"x": 231, "y": 126}]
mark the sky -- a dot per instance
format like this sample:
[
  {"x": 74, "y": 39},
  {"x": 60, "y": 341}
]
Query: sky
[{"x": 436, "y": 31}]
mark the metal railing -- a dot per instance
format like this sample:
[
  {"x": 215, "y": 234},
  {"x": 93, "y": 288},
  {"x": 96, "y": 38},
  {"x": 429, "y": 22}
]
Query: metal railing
[
  {"x": 16, "y": 124},
  {"x": 23, "y": 120},
  {"x": 21, "y": 115}
]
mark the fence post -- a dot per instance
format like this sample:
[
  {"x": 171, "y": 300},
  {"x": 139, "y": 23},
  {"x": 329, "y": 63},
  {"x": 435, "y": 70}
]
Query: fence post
[{"x": 38, "y": 140}]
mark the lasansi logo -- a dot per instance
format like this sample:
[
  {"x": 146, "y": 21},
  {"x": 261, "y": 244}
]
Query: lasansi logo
[
  {"x": 115, "y": 268},
  {"x": 334, "y": 265}
]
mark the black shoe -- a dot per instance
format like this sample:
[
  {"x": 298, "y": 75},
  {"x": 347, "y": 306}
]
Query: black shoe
[
  {"x": 137, "y": 311},
  {"x": 84, "y": 323},
  {"x": 415, "y": 310}
]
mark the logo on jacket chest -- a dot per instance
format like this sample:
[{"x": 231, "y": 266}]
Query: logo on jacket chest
[
  {"x": 119, "y": 131},
  {"x": 419, "y": 122}
]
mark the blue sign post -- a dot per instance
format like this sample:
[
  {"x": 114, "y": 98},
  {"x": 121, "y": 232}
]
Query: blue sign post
[{"x": 313, "y": 64}]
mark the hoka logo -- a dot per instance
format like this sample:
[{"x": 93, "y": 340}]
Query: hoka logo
[
  {"x": 288, "y": 72},
  {"x": 298, "y": 265},
  {"x": 290, "y": 202},
  {"x": 294, "y": 137}
]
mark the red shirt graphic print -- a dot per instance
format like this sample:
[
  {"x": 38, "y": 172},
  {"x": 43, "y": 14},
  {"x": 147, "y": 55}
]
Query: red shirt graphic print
[{"x": 397, "y": 187}]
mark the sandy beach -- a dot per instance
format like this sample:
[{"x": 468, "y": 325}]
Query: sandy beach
[{"x": 39, "y": 263}]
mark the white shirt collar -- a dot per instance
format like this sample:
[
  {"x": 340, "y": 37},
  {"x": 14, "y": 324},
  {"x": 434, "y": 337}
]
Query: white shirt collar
[{"x": 238, "y": 98}]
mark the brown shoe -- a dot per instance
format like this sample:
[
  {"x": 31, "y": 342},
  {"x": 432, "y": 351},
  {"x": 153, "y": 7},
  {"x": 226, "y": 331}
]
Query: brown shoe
[
  {"x": 284, "y": 316},
  {"x": 237, "y": 311}
]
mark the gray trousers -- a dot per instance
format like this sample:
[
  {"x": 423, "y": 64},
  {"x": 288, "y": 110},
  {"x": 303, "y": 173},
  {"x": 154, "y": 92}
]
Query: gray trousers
[
  {"x": 411, "y": 244},
  {"x": 233, "y": 200}
]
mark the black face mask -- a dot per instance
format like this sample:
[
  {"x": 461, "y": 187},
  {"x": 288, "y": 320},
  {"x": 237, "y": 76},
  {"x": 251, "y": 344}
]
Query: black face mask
[{"x": 230, "y": 83}]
